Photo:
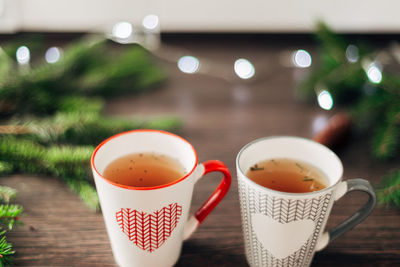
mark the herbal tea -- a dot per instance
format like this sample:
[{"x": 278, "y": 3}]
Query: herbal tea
[
  {"x": 144, "y": 170},
  {"x": 287, "y": 175}
]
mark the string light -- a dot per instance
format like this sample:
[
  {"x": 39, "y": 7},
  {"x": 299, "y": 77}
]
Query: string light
[
  {"x": 244, "y": 69},
  {"x": 53, "y": 54},
  {"x": 188, "y": 64},
  {"x": 302, "y": 59},
  {"x": 23, "y": 55},
  {"x": 325, "y": 100},
  {"x": 150, "y": 22},
  {"x": 352, "y": 53},
  {"x": 122, "y": 30},
  {"x": 374, "y": 73}
]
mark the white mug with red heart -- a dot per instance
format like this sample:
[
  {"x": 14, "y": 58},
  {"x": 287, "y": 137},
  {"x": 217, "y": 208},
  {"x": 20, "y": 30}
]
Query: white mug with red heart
[
  {"x": 286, "y": 229},
  {"x": 147, "y": 225}
]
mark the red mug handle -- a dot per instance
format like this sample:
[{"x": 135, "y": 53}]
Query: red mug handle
[{"x": 214, "y": 199}]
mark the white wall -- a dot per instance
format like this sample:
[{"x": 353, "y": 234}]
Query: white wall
[{"x": 202, "y": 15}]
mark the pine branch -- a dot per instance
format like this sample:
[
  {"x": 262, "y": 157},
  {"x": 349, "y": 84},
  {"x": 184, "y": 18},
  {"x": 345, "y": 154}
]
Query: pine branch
[
  {"x": 386, "y": 139},
  {"x": 334, "y": 72},
  {"x": 70, "y": 90},
  {"x": 69, "y": 161},
  {"x": 9, "y": 215},
  {"x": 87, "y": 128},
  {"x": 6, "y": 168},
  {"x": 7, "y": 193},
  {"x": 6, "y": 65},
  {"x": 68, "y": 97},
  {"x": 389, "y": 193},
  {"x": 81, "y": 105},
  {"x": 25, "y": 155},
  {"x": 370, "y": 109},
  {"x": 374, "y": 105},
  {"x": 5, "y": 250},
  {"x": 89, "y": 67},
  {"x": 331, "y": 42},
  {"x": 132, "y": 72},
  {"x": 85, "y": 191}
]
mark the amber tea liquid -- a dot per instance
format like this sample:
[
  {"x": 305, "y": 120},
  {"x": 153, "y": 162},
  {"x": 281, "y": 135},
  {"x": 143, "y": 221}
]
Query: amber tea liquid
[
  {"x": 144, "y": 170},
  {"x": 287, "y": 175}
]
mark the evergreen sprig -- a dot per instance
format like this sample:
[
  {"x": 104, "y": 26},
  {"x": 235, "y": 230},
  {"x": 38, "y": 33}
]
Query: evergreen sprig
[
  {"x": 7, "y": 194},
  {"x": 5, "y": 168},
  {"x": 5, "y": 250},
  {"x": 52, "y": 113},
  {"x": 57, "y": 108},
  {"x": 9, "y": 215},
  {"x": 374, "y": 105},
  {"x": 62, "y": 147},
  {"x": 88, "y": 67},
  {"x": 389, "y": 193}
]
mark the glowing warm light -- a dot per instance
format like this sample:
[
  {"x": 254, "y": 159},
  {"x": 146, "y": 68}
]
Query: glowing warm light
[
  {"x": 325, "y": 100},
  {"x": 122, "y": 30},
  {"x": 374, "y": 73},
  {"x": 23, "y": 55},
  {"x": 188, "y": 64},
  {"x": 352, "y": 53},
  {"x": 53, "y": 54},
  {"x": 150, "y": 22},
  {"x": 302, "y": 59},
  {"x": 244, "y": 69}
]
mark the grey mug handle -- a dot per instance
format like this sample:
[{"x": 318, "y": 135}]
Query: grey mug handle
[{"x": 350, "y": 185}]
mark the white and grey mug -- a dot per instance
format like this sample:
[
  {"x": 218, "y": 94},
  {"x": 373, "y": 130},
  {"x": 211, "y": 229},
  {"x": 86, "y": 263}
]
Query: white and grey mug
[{"x": 286, "y": 229}]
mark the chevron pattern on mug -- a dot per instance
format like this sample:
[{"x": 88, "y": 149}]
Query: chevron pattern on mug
[
  {"x": 149, "y": 231},
  {"x": 281, "y": 231}
]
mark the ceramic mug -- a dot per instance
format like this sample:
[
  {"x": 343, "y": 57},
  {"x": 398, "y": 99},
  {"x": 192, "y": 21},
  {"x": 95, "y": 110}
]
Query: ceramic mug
[
  {"x": 286, "y": 229},
  {"x": 146, "y": 225}
]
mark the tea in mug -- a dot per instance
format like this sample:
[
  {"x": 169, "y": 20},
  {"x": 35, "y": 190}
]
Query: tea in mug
[
  {"x": 288, "y": 175},
  {"x": 144, "y": 170}
]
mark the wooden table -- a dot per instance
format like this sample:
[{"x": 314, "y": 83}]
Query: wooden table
[{"x": 219, "y": 118}]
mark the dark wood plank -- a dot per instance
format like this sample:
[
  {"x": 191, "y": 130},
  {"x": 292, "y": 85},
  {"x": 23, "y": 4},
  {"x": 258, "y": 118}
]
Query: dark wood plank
[
  {"x": 219, "y": 118},
  {"x": 58, "y": 229}
]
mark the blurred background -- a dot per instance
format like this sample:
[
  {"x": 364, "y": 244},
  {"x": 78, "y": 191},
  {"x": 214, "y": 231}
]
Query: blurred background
[{"x": 218, "y": 73}]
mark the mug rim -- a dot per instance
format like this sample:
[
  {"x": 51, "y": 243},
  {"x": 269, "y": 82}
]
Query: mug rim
[
  {"x": 281, "y": 192},
  {"x": 143, "y": 131}
]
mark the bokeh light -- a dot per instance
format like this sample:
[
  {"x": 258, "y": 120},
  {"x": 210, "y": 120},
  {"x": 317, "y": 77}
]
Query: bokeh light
[
  {"x": 23, "y": 55},
  {"x": 122, "y": 30},
  {"x": 53, "y": 54},
  {"x": 302, "y": 59},
  {"x": 374, "y": 73},
  {"x": 352, "y": 53},
  {"x": 244, "y": 69},
  {"x": 150, "y": 22},
  {"x": 325, "y": 100},
  {"x": 319, "y": 123},
  {"x": 188, "y": 64}
]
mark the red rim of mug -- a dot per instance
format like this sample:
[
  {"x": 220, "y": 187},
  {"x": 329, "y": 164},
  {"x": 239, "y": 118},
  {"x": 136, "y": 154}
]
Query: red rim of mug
[{"x": 142, "y": 188}]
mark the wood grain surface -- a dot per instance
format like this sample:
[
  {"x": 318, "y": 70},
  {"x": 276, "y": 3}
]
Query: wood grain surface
[{"x": 219, "y": 117}]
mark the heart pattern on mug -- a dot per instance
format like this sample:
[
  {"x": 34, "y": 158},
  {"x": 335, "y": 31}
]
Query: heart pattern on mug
[
  {"x": 281, "y": 239},
  {"x": 149, "y": 231}
]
